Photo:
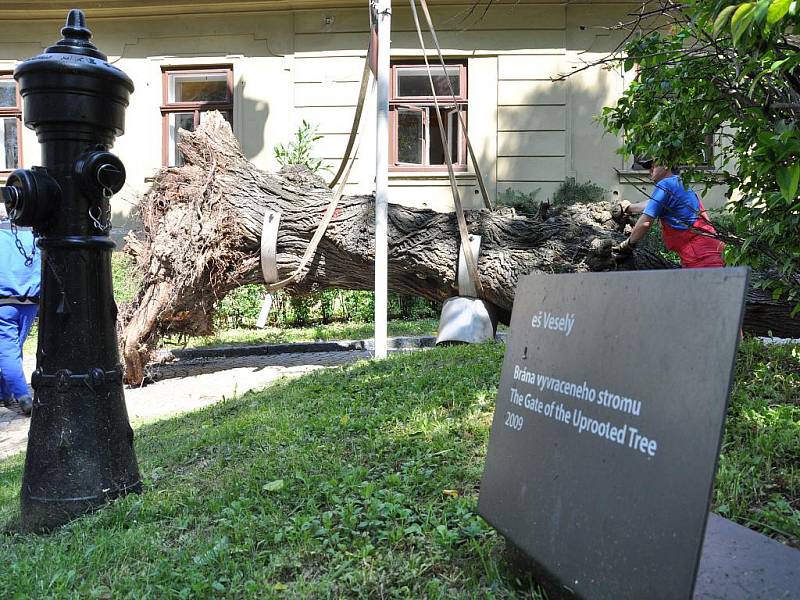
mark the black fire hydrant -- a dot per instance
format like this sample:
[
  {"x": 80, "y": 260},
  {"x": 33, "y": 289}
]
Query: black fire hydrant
[{"x": 80, "y": 445}]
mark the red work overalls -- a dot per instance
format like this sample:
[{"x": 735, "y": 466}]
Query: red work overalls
[{"x": 696, "y": 249}]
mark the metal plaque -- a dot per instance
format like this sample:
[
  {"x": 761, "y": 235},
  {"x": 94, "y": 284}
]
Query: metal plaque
[{"x": 608, "y": 424}]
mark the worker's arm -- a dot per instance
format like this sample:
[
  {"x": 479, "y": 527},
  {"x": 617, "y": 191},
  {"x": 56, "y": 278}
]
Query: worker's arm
[
  {"x": 625, "y": 249},
  {"x": 636, "y": 209},
  {"x": 641, "y": 229},
  {"x": 624, "y": 208}
]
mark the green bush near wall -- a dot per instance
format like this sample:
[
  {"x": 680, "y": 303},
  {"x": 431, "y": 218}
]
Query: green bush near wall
[
  {"x": 567, "y": 193},
  {"x": 524, "y": 202},
  {"x": 241, "y": 307},
  {"x": 572, "y": 192},
  {"x": 124, "y": 276}
]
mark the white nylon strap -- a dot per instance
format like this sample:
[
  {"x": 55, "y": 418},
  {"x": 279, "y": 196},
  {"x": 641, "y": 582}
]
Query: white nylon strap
[
  {"x": 471, "y": 261},
  {"x": 466, "y": 286},
  {"x": 475, "y": 166},
  {"x": 269, "y": 246}
]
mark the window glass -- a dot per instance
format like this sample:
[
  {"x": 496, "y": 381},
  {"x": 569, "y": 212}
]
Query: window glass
[
  {"x": 414, "y": 82},
  {"x": 198, "y": 87},
  {"x": 453, "y": 134},
  {"x": 189, "y": 95},
  {"x": 8, "y": 93},
  {"x": 10, "y": 151},
  {"x": 178, "y": 121},
  {"x": 409, "y": 136}
]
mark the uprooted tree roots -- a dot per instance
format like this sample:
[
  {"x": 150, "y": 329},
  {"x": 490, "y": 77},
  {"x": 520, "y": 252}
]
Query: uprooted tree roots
[{"x": 202, "y": 235}]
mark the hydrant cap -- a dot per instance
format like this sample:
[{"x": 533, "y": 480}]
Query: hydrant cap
[
  {"x": 76, "y": 38},
  {"x": 73, "y": 75},
  {"x": 75, "y": 53}
]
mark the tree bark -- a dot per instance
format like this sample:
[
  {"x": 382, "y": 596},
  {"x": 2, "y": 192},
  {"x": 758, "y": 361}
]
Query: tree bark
[{"x": 202, "y": 230}]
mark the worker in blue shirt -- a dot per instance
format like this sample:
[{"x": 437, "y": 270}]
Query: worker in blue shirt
[
  {"x": 20, "y": 278},
  {"x": 685, "y": 226}
]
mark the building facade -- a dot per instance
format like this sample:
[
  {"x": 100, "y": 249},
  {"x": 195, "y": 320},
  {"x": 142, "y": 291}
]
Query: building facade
[{"x": 270, "y": 65}]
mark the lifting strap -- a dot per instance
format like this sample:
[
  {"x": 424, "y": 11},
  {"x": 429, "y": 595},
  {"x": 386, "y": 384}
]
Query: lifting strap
[
  {"x": 362, "y": 94},
  {"x": 472, "y": 265},
  {"x": 343, "y": 173},
  {"x": 461, "y": 120},
  {"x": 297, "y": 274}
]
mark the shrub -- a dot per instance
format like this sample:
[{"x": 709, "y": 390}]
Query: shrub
[
  {"x": 241, "y": 307},
  {"x": 125, "y": 277},
  {"x": 572, "y": 192},
  {"x": 298, "y": 151},
  {"x": 521, "y": 201}
]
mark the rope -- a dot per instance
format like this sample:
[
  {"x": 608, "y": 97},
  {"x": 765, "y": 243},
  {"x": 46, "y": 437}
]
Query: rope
[
  {"x": 463, "y": 123},
  {"x": 362, "y": 94},
  {"x": 297, "y": 274},
  {"x": 343, "y": 173},
  {"x": 472, "y": 265}
]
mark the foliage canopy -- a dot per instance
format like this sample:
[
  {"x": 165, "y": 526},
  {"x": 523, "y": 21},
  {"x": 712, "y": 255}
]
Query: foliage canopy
[{"x": 729, "y": 70}]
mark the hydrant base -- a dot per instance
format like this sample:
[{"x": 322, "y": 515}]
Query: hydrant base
[{"x": 40, "y": 515}]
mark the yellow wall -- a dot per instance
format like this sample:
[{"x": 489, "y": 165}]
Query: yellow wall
[{"x": 529, "y": 133}]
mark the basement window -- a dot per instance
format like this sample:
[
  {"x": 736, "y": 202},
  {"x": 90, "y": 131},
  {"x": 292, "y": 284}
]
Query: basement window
[
  {"x": 10, "y": 124},
  {"x": 416, "y": 144},
  {"x": 188, "y": 94}
]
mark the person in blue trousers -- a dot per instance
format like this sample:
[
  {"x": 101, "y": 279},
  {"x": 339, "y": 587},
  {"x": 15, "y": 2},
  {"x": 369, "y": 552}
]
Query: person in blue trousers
[{"x": 20, "y": 279}]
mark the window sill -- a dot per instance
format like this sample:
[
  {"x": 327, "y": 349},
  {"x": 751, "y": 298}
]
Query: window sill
[
  {"x": 430, "y": 175},
  {"x": 625, "y": 174}
]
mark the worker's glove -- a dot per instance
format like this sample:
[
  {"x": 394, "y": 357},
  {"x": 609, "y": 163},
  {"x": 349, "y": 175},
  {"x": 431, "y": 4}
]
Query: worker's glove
[
  {"x": 620, "y": 211},
  {"x": 623, "y": 251}
]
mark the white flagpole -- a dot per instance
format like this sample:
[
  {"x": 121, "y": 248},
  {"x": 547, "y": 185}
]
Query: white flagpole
[{"x": 384, "y": 25}]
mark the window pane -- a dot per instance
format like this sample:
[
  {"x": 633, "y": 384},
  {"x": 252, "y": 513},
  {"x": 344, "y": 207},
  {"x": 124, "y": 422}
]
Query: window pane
[
  {"x": 409, "y": 136},
  {"x": 413, "y": 81},
  {"x": 198, "y": 87},
  {"x": 453, "y": 130},
  {"x": 8, "y": 93},
  {"x": 10, "y": 150},
  {"x": 435, "y": 152},
  {"x": 449, "y": 118},
  {"x": 178, "y": 121}
]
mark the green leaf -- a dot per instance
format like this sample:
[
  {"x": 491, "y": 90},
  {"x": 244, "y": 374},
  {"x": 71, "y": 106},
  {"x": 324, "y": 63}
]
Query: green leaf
[
  {"x": 273, "y": 486},
  {"x": 755, "y": 84},
  {"x": 778, "y": 64},
  {"x": 788, "y": 181},
  {"x": 741, "y": 20},
  {"x": 722, "y": 19},
  {"x": 777, "y": 10},
  {"x": 760, "y": 11}
]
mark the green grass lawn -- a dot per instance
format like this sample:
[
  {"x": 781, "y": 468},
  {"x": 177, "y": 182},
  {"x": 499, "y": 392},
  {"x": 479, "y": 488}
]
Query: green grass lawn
[
  {"x": 358, "y": 482},
  {"x": 758, "y": 479}
]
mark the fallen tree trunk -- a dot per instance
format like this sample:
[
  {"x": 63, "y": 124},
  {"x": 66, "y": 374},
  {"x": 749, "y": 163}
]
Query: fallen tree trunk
[{"x": 202, "y": 230}]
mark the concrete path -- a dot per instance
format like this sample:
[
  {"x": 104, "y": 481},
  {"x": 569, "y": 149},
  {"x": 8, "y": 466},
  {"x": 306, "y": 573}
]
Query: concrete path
[{"x": 186, "y": 385}]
